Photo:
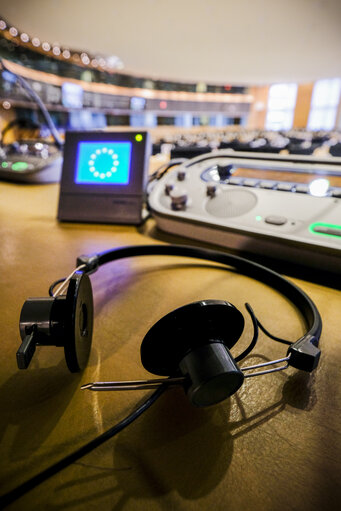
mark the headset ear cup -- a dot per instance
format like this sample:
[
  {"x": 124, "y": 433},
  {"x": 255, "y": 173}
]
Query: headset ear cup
[
  {"x": 193, "y": 341},
  {"x": 212, "y": 374},
  {"x": 78, "y": 322},
  {"x": 187, "y": 328}
]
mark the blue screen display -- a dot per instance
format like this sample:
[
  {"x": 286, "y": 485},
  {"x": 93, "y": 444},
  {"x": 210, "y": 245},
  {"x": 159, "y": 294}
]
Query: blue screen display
[{"x": 103, "y": 163}]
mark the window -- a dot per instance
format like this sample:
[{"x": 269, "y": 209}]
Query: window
[
  {"x": 281, "y": 106},
  {"x": 324, "y": 104}
]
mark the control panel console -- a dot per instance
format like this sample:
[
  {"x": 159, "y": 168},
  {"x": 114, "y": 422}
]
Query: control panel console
[{"x": 286, "y": 210}]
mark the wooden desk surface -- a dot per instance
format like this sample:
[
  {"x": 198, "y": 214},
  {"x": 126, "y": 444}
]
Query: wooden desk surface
[{"x": 275, "y": 445}]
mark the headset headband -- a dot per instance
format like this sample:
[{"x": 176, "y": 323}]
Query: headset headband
[
  {"x": 304, "y": 353},
  {"x": 66, "y": 321}
]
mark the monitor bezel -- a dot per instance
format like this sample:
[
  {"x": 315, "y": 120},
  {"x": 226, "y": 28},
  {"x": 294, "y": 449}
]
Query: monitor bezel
[{"x": 140, "y": 152}]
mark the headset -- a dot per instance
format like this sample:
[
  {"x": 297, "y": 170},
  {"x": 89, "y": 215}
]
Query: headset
[{"x": 190, "y": 346}]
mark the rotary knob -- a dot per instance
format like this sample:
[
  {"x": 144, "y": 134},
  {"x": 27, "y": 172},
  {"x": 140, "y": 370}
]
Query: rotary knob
[
  {"x": 181, "y": 175},
  {"x": 168, "y": 188},
  {"x": 211, "y": 190},
  {"x": 179, "y": 201},
  {"x": 224, "y": 171}
]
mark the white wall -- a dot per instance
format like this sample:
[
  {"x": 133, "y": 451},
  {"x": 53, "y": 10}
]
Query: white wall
[{"x": 219, "y": 41}]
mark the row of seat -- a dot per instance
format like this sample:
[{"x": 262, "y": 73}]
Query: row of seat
[{"x": 189, "y": 145}]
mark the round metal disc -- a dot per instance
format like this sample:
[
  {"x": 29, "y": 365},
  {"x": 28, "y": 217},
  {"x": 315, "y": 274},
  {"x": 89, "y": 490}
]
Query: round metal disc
[
  {"x": 186, "y": 328},
  {"x": 78, "y": 322}
]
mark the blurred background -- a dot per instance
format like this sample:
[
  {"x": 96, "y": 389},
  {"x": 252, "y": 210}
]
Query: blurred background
[{"x": 262, "y": 75}]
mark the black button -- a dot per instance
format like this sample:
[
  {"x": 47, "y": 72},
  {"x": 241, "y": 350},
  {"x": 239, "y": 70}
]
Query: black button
[
  {"x": 275, "y": 220},
  {"x": 224, "y": 171}
]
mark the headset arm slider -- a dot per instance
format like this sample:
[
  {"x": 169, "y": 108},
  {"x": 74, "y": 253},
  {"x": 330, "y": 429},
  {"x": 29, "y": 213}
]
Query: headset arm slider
[
  {"x": 27, "y": 349},
  {"x": 91, "y": 263},
  {"x": 304, "y": 353}
]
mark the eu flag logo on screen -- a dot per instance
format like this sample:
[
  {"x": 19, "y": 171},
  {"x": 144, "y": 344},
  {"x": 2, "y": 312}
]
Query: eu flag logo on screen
[{"x": 103, "y": 163}]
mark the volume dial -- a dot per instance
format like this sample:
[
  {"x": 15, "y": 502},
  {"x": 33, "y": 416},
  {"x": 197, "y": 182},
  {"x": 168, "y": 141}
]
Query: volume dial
[{"x": 179, "y": 201}]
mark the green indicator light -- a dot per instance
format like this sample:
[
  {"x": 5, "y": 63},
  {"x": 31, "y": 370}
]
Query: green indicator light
[
  {"x": 4, "y": 164},
  {"x": 138, "y": 137},
  {"x": 325, "y": 229},
  {"x": 19, "y": 166},
  {"x": 258, "y": 218}
]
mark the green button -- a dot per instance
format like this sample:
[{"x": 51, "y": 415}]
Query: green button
[
  {"x": 19, "y": 166},
  {"x": 4, "y": 164},
  {"x": 325, "y": 229}
]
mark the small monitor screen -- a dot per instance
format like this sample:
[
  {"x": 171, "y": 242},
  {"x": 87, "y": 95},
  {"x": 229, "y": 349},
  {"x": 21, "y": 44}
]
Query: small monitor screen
[{"x": 103, "y": 163}]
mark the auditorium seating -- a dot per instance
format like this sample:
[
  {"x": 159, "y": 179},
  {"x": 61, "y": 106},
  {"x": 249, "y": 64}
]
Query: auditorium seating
[{"x": 296, "y": 142}]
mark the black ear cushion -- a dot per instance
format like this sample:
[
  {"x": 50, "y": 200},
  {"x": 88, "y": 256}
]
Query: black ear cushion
[
  {"x": 78, "y": 322},
  {"x": 186, "y": 328}
]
